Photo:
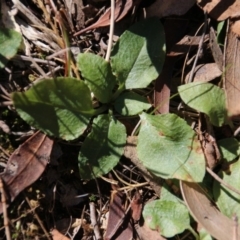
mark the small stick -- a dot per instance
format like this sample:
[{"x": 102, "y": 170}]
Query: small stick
[
  {"x": 94, "y": 221},
  {"x": 4, "y": 207},
  {"x": 236, "y": 132},
  {"x": 199, "y": 49},
  {"x": 40, "y": 70},
  {"x": 6, "y": 104},
  {"x": 7, "y": 95},
  {"x": 37, "y": 60},
  {"x": 216, "y": 177},
  {"x": 39, "y": 221},
  {"x": 4, "y": 151},
  {"x": 110, "y": 40}
]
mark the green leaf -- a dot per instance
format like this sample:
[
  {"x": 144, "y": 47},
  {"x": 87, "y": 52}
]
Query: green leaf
[
  {"x": 98, "y": 75},
  {"x": 130, "y": 103},
  {"x": 229, "y": 148},
  {"x": 103, "y": 147},
  {"x": 169, "y": 217},
  {"x": 137, "y": 58},
  {"x": 169, "y": 148},
  {"x": 227, "y": 200},
  {"x": 206, "y": 98},
  {"x": 10, "y": 41},
  {"x": 204, "y": 235},
  {"x": 166, "y": 194},
  {"x": 60, "y": 107}
]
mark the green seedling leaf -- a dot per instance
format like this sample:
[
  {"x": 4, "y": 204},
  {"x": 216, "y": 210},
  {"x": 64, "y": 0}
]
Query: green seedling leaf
[
  {"x": 230, "y": 148},
  {"x": 206, "y": 98},
  {"x": 166, "y": 216},
  {"x": 227, "y": 200},
  {"x": 103, "y": 147},
  {"x": 10, "y": 41},
  {"x": 60, "y": 107},
  {"x": 204, "y": 235},
  {"x": 169, "y": 148},
  {"x": 137, "y": 58},
  {"x": 98, "y": 75},
  {"x": 130, "y": 103}
]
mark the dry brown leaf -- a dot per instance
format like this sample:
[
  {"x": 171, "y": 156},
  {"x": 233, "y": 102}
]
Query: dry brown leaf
[
  {"x": 126, "y": 230},
  {"x": 136, "y": 206},
  {"x": 232, "y": 73},
  {"x": 221, "y": 9},
  {"x": 205, "y": 73},
  {"x": 183, "y": 46},
  {"x": 164, "y": 8},
  {"x": 56, "y": 235},
  {"x": 236, "y": 27},
  {"x": 121, "y": 9},
  {"x": 118, "y": 223},
  {"x": 26, "y": 164},
  {"x": 205, "y": 213}
]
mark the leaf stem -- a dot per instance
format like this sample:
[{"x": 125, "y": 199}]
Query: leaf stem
[
  {"x": 120, "y": 89},
  {"x": 217, "y": 178},
  {"x": 100, "y": 110},
  {"x": 110, "y": 40},
  {"x": 193, "y": 233},
  {"x": 155, "y": 109}
]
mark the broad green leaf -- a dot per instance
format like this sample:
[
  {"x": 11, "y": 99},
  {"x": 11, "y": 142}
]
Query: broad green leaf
[
  {"x": 103, "y": 147},
  {"x": 166, "y": 194},
  {"x": 227, "y": 200},
  {"x": 230, "y": 148},
  {"x": 10, "y": 41},
  {"x": 169, "y": 217},
  {"x": 60, "y": 107},
  {"x": 98, "y": 75},
  {"x": 206, "y": 98},
  {"x": 130, "y": 103},
  {"x": 138, "y": 56},
  {"x": 169, "y": 148}
]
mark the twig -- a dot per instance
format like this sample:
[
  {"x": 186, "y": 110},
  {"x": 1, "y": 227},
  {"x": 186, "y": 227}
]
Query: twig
[
  {"x": 94, "y": 221},
  {"x": 236, "y": 132},
  {"x": 216, "y": 177},
  {"x": 40, "y": 70},
  {"x": 39, "y": 221},
  {"x": 50, "y": 73},
  {"x": 7, "y": 95},
  {"x": 5, "y": 215},
  {"x": 110, "y": 40},
  {"x": 199, "y": 49},
  {"x": 4, "y": 151},
  {"x": 27, "y": 13},
  {"x": 6, "y": 104},
  {"x": 136, "y": 128},
  {"x": 37, "y": 60},
  {"x": 134, "y": 186},
  {"x": 20, "y": 217}
]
